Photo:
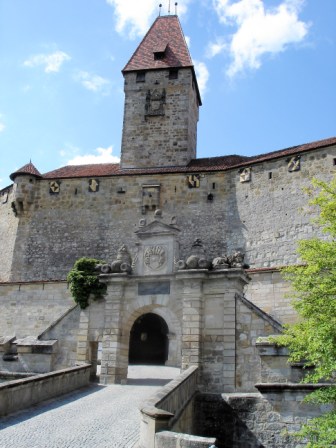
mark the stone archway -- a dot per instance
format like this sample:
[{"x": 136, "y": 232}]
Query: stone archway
[{"x": 149, "y": 340}]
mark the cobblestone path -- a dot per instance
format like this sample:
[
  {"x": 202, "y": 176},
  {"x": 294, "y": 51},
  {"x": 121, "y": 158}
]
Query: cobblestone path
[{"x": 94, "y": 417}]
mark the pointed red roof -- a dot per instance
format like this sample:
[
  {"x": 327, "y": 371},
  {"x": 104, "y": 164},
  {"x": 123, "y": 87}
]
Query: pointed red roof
[
  {"x": 28, "y": 169},
  {"x": 165, "y": 36}
]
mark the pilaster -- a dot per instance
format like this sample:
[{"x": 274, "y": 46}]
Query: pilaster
[
  {"x": 192, "y": 316},
  {"x": 114, "y": 361}
]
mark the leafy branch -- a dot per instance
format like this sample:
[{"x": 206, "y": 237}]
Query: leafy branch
[{"x": 84, "y": 281}]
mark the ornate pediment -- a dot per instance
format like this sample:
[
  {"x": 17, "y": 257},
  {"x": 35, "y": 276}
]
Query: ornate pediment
[
  {"x": 158, "y": 247},
  {"x": 156, "y": 228}
]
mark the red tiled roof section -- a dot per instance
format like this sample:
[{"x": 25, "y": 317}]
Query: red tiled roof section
[
  {"x": 165, "y": 35},
  {"x": 28, "y": 169},
  {"x": 102, "y": 169},
  {"x": 294, "y": 150},
  {"x": 221, "y": 163}
]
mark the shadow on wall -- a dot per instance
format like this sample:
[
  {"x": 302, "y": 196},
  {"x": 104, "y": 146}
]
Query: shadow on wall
[{"x": 215, "y": 418}]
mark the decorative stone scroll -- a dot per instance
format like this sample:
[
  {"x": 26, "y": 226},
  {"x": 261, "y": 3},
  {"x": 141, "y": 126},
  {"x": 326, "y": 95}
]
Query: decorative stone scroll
[{"x": 123, "y": 263}]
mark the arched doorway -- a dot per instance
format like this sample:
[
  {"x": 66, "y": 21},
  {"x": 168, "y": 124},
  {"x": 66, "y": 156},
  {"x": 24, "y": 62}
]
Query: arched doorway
[{"x": 149, "y": 340}]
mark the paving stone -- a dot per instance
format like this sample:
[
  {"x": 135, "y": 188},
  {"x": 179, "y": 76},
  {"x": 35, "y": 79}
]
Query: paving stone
[{"x": 98, "y": 416}]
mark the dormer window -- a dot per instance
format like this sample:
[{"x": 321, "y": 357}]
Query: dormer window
[
  {"x": 159, "y": 55},
  {"x": 141, "y": 76},
  {"x": 160, "y": 51}
]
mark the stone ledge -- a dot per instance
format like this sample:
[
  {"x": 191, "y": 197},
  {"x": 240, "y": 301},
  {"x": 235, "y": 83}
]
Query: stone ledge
[
  {"x": 296, "y": 387},
  {"x": 167, "y": 439}
]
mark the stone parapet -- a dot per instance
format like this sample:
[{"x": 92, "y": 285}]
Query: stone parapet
[
  {"x": 166, "y": 408},
  {"x": 22, "y": 393}
]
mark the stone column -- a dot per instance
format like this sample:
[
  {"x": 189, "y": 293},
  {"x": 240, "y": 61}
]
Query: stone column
[
  {"x": 114, "y": 361},
  {"x": 83, "y": 344},
  {"x": 219, "y": 335},
  {"x": 192, "y": 316}
]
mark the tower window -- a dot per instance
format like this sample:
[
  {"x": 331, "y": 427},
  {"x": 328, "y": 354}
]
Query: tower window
[
  {"x": 141, "y": 77},
  {"x": 159, "y": 55},
  {"x": 173, "y": 73}
]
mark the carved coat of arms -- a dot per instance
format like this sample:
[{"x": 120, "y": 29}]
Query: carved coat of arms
[{"x": 155, "y": 257}]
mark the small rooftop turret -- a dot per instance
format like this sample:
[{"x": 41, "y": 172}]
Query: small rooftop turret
[{"x": 28, "y": 169}]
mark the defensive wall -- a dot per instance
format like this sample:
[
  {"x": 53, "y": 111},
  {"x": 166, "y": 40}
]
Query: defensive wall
[{"x": 264, "y": 218}]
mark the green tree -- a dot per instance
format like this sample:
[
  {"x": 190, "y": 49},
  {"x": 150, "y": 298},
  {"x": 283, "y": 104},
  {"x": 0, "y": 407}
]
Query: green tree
[
  {"x": 84, "y": 281},
  {"x": 313, "y": 338}
]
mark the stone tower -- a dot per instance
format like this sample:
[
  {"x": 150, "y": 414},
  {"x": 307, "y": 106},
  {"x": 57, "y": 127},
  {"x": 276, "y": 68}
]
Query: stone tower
[{"x": 161, "y": 100}]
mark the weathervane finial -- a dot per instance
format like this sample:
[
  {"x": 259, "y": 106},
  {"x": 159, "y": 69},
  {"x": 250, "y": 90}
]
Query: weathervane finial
[
  {"x": 160, "y": 6},
  {"x": 169, "y": 8},
  {"x": 176, "y": 8}
]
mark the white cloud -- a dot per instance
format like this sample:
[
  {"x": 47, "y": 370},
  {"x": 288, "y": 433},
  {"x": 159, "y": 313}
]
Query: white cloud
[
  {"x": 202, "y": 74},
  {"x": 51, "y": 62},
  {"x": 104, "y": 155},
  {"x": 217, "y": 47},
  {"x": 260, "y": 31},
  {"x": 134, "y": 17},
  {"x": 2, "y": 124},
  {"x": 93, "y": 82}
]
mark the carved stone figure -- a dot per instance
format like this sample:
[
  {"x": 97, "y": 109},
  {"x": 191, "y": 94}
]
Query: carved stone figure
[
  {"x": 220, "y": 263},
  {"x": 123, "y": 263},
  {"x": 237, "y": 260}
]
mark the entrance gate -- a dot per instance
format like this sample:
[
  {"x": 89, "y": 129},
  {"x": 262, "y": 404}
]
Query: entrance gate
[{"x": 149, "y": 340}]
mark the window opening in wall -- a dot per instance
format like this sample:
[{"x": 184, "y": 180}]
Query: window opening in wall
[
  {"x": 141, "y": 77},
  {"x": 93, "y": 355},
  {"x": 173, "y": 73},
  {"x": 20, "y": 206},
  {"x": 214, "y": 186},
  {"x": 334, "y": 162},
  {"x": 270, "y": 175}
]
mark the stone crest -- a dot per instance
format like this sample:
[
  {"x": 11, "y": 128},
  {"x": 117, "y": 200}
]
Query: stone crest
[
  {"x": 155, "y": 101},
  {"x": 155, "y": 257}
]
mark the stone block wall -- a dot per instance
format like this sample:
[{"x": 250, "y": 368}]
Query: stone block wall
[
  {"x": 262, "y": 218},
  {"x": 250, "y": 325},
  {"x": 271, "y": 210},
  {"x": 8, "y": 233},
  {"x": 29, "y": 309},
  {"x": 167, "y": 135},
  {"x": 269, "y": 291},
  {"x": 254, "y": 420}
]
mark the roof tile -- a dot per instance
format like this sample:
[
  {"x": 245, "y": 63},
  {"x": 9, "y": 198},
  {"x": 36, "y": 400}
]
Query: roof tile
[
  {"x": 28, "y": 169},
  {"x": 221, "y": 163},
  {"x": 165, "y": 35}
]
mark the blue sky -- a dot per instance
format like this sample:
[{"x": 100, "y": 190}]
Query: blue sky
[{"x": 266, "y": 69}]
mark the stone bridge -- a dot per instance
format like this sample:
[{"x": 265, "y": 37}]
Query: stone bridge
[{"x": 97, "y": 416}]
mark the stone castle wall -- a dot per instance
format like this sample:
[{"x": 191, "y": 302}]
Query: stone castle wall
[
  {"x": 263, "y": 218},
  {"x": 29, "y": 309},
  {"x": 8, "y": 232},
  {"x": 160, "y": 119}
]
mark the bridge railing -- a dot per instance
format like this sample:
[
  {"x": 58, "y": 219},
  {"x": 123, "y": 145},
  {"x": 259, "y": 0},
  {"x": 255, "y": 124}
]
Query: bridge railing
[{"x": 171, "y": 408}]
